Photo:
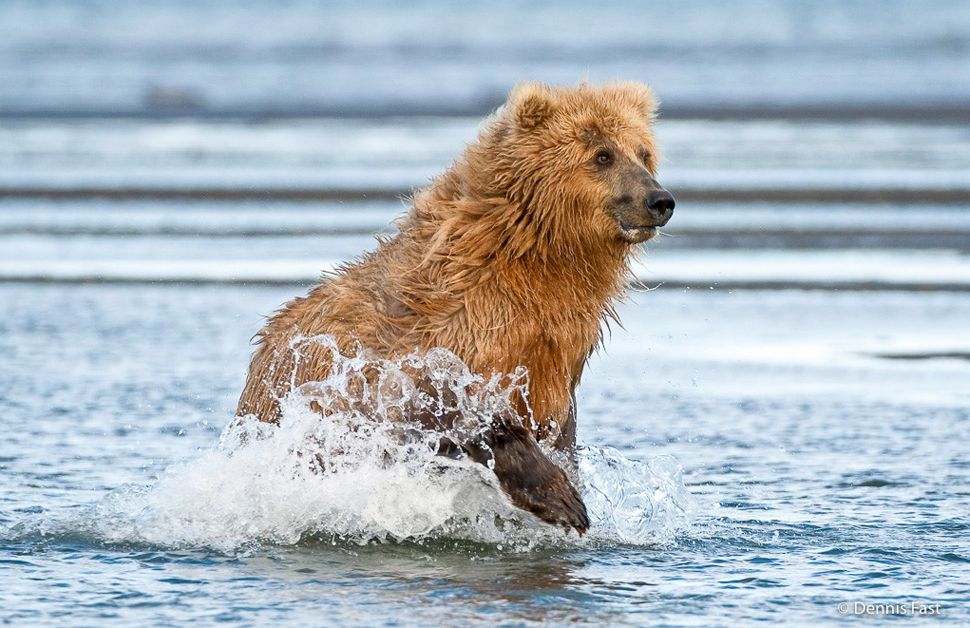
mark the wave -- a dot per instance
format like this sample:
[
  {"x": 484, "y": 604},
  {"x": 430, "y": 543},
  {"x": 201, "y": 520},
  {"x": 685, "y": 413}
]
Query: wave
[{"x": 860, "y": 268}]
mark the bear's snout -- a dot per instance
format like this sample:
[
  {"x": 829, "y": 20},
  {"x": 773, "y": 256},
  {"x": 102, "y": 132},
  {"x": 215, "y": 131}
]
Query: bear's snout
[
  {"x": 639, "y": 215},
  {"x": 660, "y": 206}
]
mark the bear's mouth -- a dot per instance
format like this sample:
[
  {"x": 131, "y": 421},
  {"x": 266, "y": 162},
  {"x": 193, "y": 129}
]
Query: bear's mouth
[{"x": 636, "y": 234}]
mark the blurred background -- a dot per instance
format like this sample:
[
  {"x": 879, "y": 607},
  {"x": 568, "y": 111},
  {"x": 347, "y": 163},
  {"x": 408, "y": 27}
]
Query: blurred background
[{"x": 813, "y": 144}]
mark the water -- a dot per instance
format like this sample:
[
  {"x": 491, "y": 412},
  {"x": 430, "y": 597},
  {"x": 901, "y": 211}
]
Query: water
[
  {"x": 816, "y": 471},
  {"x": 381, "y": 57},
  {"x": 780, "y": 425},
  {"x": 367, "y": 155}
]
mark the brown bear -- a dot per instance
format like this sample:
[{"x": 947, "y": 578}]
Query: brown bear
[{"x": 511, "y": 258}]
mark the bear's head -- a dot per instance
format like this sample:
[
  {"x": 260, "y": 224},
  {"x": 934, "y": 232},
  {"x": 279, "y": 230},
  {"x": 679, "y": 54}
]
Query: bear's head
[{"x": 579, "y": 162}]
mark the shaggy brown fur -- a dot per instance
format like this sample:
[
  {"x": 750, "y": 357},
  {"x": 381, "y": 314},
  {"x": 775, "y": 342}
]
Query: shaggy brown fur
[{"x": 511, "y": 258}]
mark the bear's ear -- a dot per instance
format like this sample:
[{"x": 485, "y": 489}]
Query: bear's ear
[
  {"x": 639, "y": 96},
  {"x": 531, "y": 104}
]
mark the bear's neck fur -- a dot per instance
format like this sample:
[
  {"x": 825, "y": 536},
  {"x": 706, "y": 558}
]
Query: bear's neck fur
[{"x": 501, "y": 291}]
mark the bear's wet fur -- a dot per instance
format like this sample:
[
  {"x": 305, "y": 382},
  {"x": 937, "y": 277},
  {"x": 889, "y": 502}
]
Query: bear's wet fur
[{"x": 513, "y": 257}]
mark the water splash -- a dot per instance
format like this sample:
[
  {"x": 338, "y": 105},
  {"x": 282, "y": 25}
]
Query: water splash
[{"x": 359, "y": 473}]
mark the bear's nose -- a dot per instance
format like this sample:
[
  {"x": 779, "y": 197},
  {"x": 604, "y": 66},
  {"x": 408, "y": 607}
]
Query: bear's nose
[{"x": 660, "y": 204}]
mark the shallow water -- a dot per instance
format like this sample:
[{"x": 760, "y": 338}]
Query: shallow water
[{"x": 817, "y": 472}]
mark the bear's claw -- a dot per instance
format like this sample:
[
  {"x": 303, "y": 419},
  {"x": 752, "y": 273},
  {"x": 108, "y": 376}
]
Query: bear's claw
[{"x": 532, "y": 481}]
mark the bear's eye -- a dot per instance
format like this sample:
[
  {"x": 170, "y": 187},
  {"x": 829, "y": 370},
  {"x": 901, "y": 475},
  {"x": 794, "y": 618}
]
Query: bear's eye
[{"x": 604, "y": 157}]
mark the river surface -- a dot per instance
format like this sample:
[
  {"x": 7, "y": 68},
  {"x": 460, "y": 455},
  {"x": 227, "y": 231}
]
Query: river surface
[{"x": 820, "y": 453}]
